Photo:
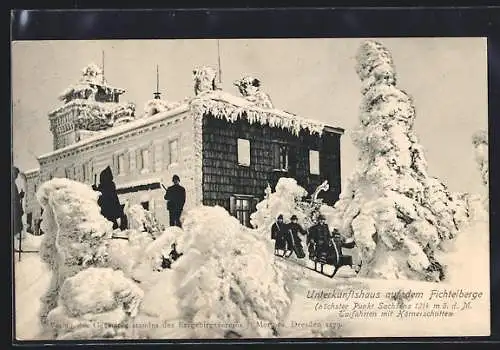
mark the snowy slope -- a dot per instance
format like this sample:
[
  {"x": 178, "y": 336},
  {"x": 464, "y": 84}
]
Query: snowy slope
[{"x": 32, "y": 278}]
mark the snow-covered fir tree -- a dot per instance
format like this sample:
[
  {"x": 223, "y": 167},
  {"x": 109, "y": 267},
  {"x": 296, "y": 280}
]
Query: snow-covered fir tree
[
  {"x": 397, "y": 213},
  {"x": 286, "y": 200},
  {"x": 480, "y": 142}
]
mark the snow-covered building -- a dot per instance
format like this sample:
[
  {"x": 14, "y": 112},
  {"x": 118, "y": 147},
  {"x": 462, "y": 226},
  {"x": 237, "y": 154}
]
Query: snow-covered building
[
  {"x": 226, "y": 149},
  {"x": 32, "y": 208},
  {"x": 89, "y": 106}
]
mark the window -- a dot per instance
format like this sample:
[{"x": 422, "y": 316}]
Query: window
[
  {"x": 280, "y": 156},
  {"x": 142, "y": 159},
  {"x": 173, "y": 148},
  {"x": 243, "y": 152},
  {"x": 145, "y": 158},
  {"x": 145, "y": 205},
  {"x": 84, "y": 172},
  {"x": 121, "y": 165},
  {"x": 241, "y": 206},
  {"x": 314, "y": 162}
]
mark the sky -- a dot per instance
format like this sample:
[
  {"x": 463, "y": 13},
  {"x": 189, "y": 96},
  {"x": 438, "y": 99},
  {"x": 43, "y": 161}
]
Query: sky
[{"x": 314, "y": 78}]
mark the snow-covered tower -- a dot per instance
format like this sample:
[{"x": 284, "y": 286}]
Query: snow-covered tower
[{"x": 90, "y": 105}]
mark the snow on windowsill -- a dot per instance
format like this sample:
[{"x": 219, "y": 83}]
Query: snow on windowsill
[{"x": 136, "y": 183}]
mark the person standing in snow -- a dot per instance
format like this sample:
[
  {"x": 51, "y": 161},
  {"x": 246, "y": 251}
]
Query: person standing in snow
[
  {"x": 293, "y": 239},
  {"x": 17, "y": 206},
  {"x": 175, "y": 196},
  {"x": 278, "y": 233},
  {"x": 108, "y": 201}
]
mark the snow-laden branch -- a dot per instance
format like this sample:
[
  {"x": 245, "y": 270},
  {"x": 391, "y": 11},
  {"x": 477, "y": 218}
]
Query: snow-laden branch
[{"x": 480, "y": 142}]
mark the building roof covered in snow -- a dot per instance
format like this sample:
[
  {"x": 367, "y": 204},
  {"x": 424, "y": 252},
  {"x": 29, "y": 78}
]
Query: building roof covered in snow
[
  {"x": 92, "y": 86},
  {"x": 118, "y": 130},
  {"x": 32, "y": 172},
  {"x": 221, "y": 105},
  {"x": 224, "y": 105}
]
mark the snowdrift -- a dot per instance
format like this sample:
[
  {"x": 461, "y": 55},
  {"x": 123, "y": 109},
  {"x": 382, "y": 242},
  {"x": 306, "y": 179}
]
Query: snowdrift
[
  {"x": 74, "y": 228},
  {"x": 227, "y": 277},
  {"x": 76, "y": 247},
  {"x": 95, "y": 303}
]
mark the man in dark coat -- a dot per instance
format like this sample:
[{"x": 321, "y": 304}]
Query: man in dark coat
[
  {"x": 326, "y": 246},
  {"x": 279, "y": 232},
  {"x": 319, "y": 239},
  {"x": 339, "y": 243},
  {"x": 175, "y": 196},
  {"x": 293, "y": 239},
  {"x": 17, "y": 207},
  {"x": 108, "y": 201}
]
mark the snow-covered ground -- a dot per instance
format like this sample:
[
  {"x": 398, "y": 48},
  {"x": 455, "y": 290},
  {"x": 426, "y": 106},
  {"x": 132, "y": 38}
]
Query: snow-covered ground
[
  {"x": 32, "y": 278},
  {"x": 303, "y": 319},
  {"x": 29, "y": 242}
]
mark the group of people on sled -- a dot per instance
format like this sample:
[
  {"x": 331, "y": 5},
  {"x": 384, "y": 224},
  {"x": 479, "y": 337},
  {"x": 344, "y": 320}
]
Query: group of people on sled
[{"x": 323, "y": 245}]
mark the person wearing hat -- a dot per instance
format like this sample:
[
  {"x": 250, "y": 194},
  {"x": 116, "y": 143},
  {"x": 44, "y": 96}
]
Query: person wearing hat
[
  {"x": 293, "y": 239},
  {"x": 278, "y": 233},
  {"x": 340, "y": 242},
  {"x": 108, "y": 201},
  {"x": 175, "y": 196},
  {"x": 319, "y": 239}
]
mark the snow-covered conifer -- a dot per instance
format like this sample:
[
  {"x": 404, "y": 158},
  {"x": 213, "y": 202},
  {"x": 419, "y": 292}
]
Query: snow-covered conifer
[
  {"x": 480, "y": 141},
  {"x": 396, "y": 212}
]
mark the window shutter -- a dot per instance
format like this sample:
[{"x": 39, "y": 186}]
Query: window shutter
[
  {"x": 138, "y": 159},
  {"x": 92, "y": 176},
  {"x": 151, "y": 155},
  {"x": 166, "y": 154},
  {"x": 276, "y": 155},
  {"x": 115, "y": 164},
  {"x": 292, "y": 160},
  {"x": 80, "y": 173},
  {"x": 173, "y": 151},
  {"x": 83, "y": 166},
  {"x": 255, "y": 201},
  {"x": 232, "y": 205},
  {"x": 126, "y": 161}
]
